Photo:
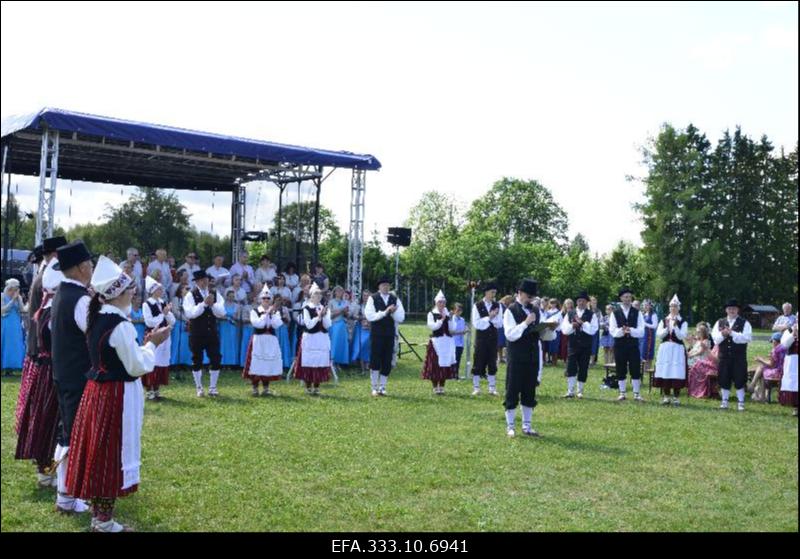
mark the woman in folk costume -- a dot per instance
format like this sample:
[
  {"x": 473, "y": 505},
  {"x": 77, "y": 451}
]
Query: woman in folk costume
[
  {"x": 263, "y": 362},
  {"x": 229, "y": 331},
  {"x": 157, "y": 315},
  {"x": 180, "y": 354},
  {"x": 340, "y": 344},
  {"x": 788, "y": 395},
  {"x": 38, "y": 425},
  {"x": 647, "y": 344},
  {"x": 105, "y": 446},
  {"x": 359, "y": 349},
  {"x": 314, "y": 357},
  {"x": 440, "y": 358},
  {"x": 671, "y": 362},
  {"x": 13, "y": 338}
]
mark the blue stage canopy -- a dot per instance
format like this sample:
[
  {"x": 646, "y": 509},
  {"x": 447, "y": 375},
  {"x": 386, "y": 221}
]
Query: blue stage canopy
[{"x": 102, "y": 149}]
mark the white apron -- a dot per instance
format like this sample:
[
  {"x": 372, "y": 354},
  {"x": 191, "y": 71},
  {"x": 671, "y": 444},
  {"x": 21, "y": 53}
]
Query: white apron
[
  {"x": 315, "y": 350},
  {"x": 265, "y": 358},
  {"x": 671, "y": 361}
]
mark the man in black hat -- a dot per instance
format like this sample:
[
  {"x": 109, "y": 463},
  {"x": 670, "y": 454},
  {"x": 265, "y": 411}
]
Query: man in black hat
[
  {"x": 524, "y": 372},
  {"x": 626, "y": 325},
  {"x": 580, "y": 325},
  {"x": 487, "y": 318},
  {"x": 732, "y": 334},
  {"x": 385, "y": 312},
  {"x": 70, "y": 354},
  {"x": 203, "y": 307}
]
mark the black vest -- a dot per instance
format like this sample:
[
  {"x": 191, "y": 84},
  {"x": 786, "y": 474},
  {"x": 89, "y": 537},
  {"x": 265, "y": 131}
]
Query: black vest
[
  {"x": 45, "y": 339},
  {"x": 526, "y": 348},
  {"x": 34, "y": 302},
  {"x": 632, "y": 322},
  {"x": 318, "y": 327},
  {"x": 206, "y": 323},
  {"x": 106, "y": 365},
  {"x": 793, "y": 348},
  {"x": 491, "y": 332},
  {"x": 580, "y": 339},
  {"x": 728, "y": 349},
  {"x": 70, "y": 356},
  {"x": 384, "y": 326},
  {"x": 670, "y": 336},
  {"x": 155, "y": 310},
  {"x": 444, "y": 330},
  {"x": 266, "y": 330}
]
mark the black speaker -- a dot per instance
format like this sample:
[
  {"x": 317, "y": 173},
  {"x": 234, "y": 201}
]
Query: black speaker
[
  {"x": 399, "y": 236},
  {"x": 255, "y": 236}
]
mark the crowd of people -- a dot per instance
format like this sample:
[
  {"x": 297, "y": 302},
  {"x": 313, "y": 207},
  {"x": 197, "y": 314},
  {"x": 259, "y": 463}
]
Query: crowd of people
[{"x": 102, "y": 338}]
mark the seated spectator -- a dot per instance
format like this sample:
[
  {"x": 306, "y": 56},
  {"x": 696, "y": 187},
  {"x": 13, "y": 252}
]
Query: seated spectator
[
  {"x": 703, "y": 365},
  {"x": 768, "y": 369},
  {"x": 786, "y": 320}
]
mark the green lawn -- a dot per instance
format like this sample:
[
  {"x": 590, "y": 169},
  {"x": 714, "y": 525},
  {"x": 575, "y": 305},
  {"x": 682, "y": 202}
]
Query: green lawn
[{"x": 413, "y": 461}]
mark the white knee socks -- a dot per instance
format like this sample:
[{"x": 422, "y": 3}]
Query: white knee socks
[
  {"x": 740, "y": 395},
  {"x": 492, "y": 382},
  {"x": 571, "y": 384},
  {"x": 726, "y": 393},
  {"x": 527, "y": 415},
  {"x": 622, "y": 385},
  {"x": 476, "y": 382},
  {"x": 637, "y": 384},
  {"x": 373, "y": 376},
  {"x": 198, "y": 379},
  {"x": 214, "y": 376},
  {"x": 383, "y": 378},
  {"x": 511, "y": 416}
]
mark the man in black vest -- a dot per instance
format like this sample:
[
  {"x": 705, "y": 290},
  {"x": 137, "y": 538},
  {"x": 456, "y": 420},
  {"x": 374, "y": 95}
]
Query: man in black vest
[
  {"x": 202, "y": 307},
  {"x": 580, "y": 325},
  {"x": 626, "y": 325},
  {"x": 384, "y": 311},
  {"x": 524, "y": 372},
  {"x": 70, "y": 354},
  {"x": 487, "y": 318},
  {"x": 732, "y": 334}
]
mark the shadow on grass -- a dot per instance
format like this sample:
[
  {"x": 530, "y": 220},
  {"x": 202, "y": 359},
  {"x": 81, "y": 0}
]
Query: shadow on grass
[{"x": 578, "y": 445}]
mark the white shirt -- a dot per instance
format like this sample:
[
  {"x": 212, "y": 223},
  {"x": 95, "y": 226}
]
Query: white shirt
[
  {"x": 617, "y": 332},
  {"x": 137, "y": 360},
  {"x": 81, "y": 308},
  {"x": 680, "y": 333},
  {"x": 435, "y": 325},
  {"x": 192, "y": 311},
  {"x": 311, "y": 322},
  {"x": 483, "y": 323},
  {"x": 275, "y": 320},
  {"x": 284, "y": 292},
  {"x": 152, "y": 322},
  {"x": 587, "y": 327},
  {"x": 399, "y": 315},
  {"x": 787, "y": 339},
  {"x": 514, "y": 331},
  {"x": 653, "y": 323},
  {"x": 743, "y": 337}
]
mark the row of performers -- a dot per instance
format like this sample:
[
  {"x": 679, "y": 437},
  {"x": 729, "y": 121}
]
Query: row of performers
[
  {"x": 349, "y": 333},
  {"x": 81, "y": 405}
]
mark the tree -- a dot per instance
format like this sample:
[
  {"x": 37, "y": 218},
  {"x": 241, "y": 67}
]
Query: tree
[
  {"x": 579, "y": 243},
  {"x": 435, "y": 215},
  {"x": 522, "y": 211}
]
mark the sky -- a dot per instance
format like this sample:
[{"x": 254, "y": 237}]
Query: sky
[{"x": 449, "y": 97}]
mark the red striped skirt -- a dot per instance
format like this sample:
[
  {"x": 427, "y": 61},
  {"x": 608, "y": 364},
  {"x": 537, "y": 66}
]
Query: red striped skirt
[
  {"x": 431, "y": 369},
  {"x": 29, "y": 371},
  {"x": 95, "y": 448},
  {"x": 37, "y": 433},
  {"x": 311, "y": 375},
  {"x": 246, "y": 369},
  {"x": 159, "y": 377}
]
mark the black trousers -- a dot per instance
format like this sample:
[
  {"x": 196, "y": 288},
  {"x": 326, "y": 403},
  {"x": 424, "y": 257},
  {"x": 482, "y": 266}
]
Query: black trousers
[
  {"x": 209, "y": 344},
  {"x": 578, "y": 363},
  {"x": 381, "y": 353},
  {"x": 69, "y": 398},
  {"x": 459, "y": 352},
  {"x": 485, "y": 356},
  {"x": 628, "y": 359},
  {"x": 522, "y": 376},
  {"x": 732, "y": 369}
]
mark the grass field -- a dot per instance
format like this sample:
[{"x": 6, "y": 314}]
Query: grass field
[{"x": 413, "y": 461}]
